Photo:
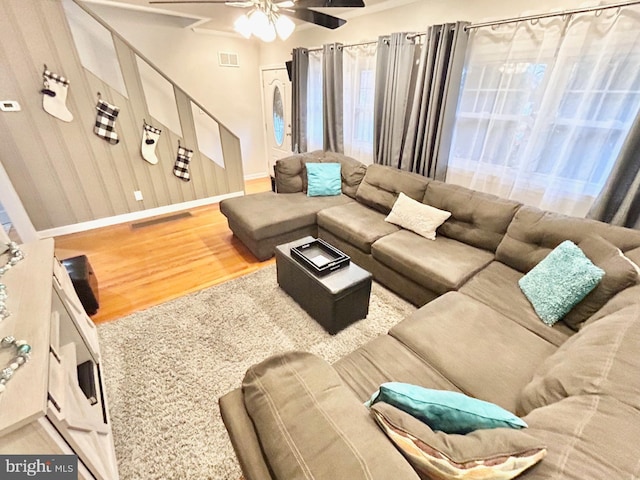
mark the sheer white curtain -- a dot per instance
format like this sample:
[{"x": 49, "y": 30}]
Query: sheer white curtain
[
  {"x": 545, "y": 107},
  {"x": 359, "y": 65},
  {"x": 314, "y": 102}
]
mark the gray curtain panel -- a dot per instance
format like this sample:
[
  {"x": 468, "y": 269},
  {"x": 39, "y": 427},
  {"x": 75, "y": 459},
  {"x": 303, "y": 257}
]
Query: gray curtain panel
[
  {"x": 299, "y": 74},
  {"x": 332, "y": 96},
  {"x": 619, "y": 201},
  {"x": 416, "y": 97},
  {"x": 435, "y": 99},
  {"x": 394, "y": 70}
]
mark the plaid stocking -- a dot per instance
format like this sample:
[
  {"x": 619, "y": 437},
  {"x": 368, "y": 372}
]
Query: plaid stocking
[
  {"x": 55, "y": 95},
  {"x": 106, "y": 122},
  {"x": 181, "y": 168}
]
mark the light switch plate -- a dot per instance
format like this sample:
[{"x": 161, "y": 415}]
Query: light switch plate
[{"x": 9, "y": 106}]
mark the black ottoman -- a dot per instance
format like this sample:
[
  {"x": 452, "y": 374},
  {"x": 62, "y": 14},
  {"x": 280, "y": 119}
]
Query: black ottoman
[
  {"x": 84, "y": 282},
  {"x": 335, "y": 300}
]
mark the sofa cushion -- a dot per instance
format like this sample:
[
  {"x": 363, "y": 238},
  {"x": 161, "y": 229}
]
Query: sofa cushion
[
  {"x": 385, "y": 359},
  {"x": 440, "y": 265},
  {"x": 501, "y": 453},
  {"x": 288, "y": 174},
  {"x": 417, "y": 217},
  {"x": 560, "y": 281},
  {"x": 291, "y": 174},
  {"x": 497, "y": 286},
  {"x": 620, "y": 273},
  {"x": 267, "y": 214},
  {"x": 628, "y": 296},
  {"x": 355, "y": 223},
  {"x": 310, "y": 425},
  {"x": 478, "y": 219},
  {"x": 587, "y": 437},
  {"x": 381, "y": 185},
  {"x": 445, "y": 411},
  {"x": 634, "y": 256},
  {"x": 533, "y": 233},
  {"x": 601, "y": 359},
  {"x": 478, "y": 349}
]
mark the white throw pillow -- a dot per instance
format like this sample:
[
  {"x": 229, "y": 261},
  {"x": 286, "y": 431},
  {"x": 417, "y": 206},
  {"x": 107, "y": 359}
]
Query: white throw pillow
[{"x": 415, "y": 216}]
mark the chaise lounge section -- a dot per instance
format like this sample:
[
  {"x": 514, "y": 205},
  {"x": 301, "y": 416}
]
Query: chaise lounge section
[
  {"x": 575, "y": 383},
  {"x": 267, "y": 219}
]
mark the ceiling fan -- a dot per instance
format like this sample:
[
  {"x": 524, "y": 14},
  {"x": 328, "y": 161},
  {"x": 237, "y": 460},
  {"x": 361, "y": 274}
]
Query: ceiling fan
[{"x": 299, "y": 9}]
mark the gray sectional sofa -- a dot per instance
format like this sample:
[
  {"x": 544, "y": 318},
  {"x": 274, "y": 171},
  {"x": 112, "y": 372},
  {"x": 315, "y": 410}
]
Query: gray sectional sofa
[{"x": 576, "y": 384}]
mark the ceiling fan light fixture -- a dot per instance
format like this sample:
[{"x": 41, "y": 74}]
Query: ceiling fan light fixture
[
  {"x": 268, "y": 34},
  {"x": 267, "y": 25},
  {"x": 243, "y": 26},
  {"x": 284, "y": 27},
  {"x": 259, "y": 22}
]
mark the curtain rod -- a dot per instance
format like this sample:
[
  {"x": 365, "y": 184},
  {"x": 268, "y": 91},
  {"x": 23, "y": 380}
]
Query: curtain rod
[
  {"x": 318, "y": 49},
  {"x": 553, "y": 14}
]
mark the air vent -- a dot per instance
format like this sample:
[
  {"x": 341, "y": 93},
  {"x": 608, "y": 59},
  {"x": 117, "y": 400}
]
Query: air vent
[{"x": 228, "y": 59}]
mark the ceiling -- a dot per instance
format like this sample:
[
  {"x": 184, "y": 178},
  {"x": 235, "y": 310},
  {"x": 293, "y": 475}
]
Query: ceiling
[{"x": 220, "y": 17}]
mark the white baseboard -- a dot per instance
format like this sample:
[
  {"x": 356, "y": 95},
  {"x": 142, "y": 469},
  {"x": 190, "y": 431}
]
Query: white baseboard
[
  {"x": 255, "y": 176},
  {"x": 129, "y": 217}
]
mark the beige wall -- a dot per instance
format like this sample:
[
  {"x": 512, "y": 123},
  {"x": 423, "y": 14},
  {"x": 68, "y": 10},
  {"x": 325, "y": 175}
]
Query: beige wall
[{"x": 190, "y": 59}]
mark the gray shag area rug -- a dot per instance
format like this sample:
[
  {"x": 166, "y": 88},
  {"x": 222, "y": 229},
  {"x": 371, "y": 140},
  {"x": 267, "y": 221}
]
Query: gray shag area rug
[{"x": 166, "y": 367}]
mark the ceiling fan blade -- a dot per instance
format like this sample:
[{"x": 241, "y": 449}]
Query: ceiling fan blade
[
  {"x": 328, "y": 3},
  {"x": 319, "y": 18}
]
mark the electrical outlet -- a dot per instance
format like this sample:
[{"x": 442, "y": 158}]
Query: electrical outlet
[{"x": 137, "y": 195}]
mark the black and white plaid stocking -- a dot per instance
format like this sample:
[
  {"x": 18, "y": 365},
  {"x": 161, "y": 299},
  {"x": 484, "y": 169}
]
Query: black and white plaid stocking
[
  {"x": 181, "y": 167},
  {"x": 106, "y": 121}
]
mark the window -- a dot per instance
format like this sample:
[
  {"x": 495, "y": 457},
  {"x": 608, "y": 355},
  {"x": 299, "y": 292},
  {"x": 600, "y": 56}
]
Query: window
[
  {"x": 359, "y": 63},
  {"x": 545, "y": 108},
  {"x": 278, "y": 117},
  {"x": 359, "y": 87}
]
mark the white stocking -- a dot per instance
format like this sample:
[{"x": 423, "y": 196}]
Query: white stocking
[
  {"x": 150, "y": 137},
  {"x": 54, "y": 96}
]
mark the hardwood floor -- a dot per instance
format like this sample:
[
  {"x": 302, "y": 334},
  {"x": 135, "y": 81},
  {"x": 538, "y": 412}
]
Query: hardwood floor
[{"x": 145, "y": 263}]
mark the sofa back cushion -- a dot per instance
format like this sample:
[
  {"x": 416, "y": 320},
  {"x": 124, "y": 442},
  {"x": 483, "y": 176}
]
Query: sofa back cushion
[
  {"x": 291, "y": 173},
  {"x": 533, "y": 233},
  {"x": 382, "y": 185},
  {"x": 288, "y": 173},
  {"x": 587, "y": 437},
  {"x": 620, "y": 273},
  {"x": 478, "y": 219},
  {"x": 601, "y": 359}
]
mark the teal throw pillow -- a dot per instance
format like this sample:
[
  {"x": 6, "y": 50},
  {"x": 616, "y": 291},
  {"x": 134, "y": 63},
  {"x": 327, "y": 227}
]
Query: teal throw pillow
[
  {"x": 560, "y": 281},
  {"x": 323, "y": 179},
  {"x": 449, "y": 412}
]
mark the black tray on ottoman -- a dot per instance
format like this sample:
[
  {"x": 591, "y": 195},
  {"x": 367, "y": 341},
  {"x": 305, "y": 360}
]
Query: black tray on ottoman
[{"x": 319, "y": 257}]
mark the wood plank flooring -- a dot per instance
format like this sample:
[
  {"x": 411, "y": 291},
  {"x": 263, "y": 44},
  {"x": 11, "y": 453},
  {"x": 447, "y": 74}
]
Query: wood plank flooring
[{"x": 145, "y": 265}]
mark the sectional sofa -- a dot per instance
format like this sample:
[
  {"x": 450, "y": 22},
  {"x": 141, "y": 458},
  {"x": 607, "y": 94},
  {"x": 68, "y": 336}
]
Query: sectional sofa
[{"x": 576, "y": 383}]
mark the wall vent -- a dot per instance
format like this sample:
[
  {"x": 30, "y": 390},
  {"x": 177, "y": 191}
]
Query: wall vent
[{"x": 228, "y": 59}]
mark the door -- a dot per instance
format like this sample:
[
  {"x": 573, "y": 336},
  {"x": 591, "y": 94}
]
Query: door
[{"x": 276, "y": 92}]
